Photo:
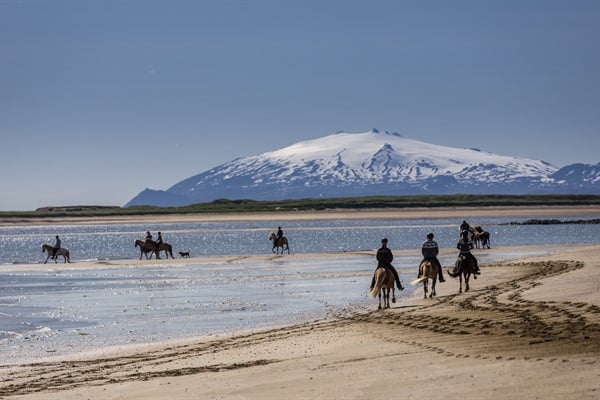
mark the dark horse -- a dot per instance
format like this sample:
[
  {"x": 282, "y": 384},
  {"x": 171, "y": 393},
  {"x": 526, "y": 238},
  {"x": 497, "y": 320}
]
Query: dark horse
[
  {"x": 167, "y": 248},
  {"x": 60, "y": 252},
  {"x": 464, "y": 267},
  {"x": 147, "y": 246},
  {"x": 480, "y": 237},
  {"x": 283, "y": 243}
]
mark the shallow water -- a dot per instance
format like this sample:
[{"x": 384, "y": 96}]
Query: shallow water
[
  {"x": 22, "y": 244},
  {"x": 59, "y": 312}
]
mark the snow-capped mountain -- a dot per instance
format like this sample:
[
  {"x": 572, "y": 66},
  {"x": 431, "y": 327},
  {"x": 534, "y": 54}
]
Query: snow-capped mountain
[{"x": 372, "y": 163}]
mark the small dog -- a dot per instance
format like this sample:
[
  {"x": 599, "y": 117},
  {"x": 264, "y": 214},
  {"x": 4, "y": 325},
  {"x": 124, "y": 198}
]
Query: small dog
[{"x": 184, "y": 254}]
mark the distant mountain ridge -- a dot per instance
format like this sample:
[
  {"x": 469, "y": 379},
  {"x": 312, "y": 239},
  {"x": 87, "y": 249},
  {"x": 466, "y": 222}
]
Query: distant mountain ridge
[{"x": 373, "y": 163}]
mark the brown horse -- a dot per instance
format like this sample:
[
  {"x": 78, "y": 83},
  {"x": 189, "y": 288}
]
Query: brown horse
[
  {"x": 147, "y": 246},
  {"x": 384, "y": 283},
  {"x": 280, "y": 243},
  {"x": 479, "y": 237},
  {"x": 60, "y": 252},
  {"x": 427, "y": 270},
  {"x": 464, "y": 267},
  {"x": 167, "y": 248}
]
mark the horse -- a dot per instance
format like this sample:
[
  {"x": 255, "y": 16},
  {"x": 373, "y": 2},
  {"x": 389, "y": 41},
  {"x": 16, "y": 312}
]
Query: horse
[
  {"x": 167, "y": 248},
  {"x": 480, "y": 237},
  {"x": 282, "y": 242},
  {"x": 483, "y": 238},
  {"x": 60, "y": 252},
  {"x": 147, "y": 246},
  {"x": 384, "y": 283},
  {"x": 427, "y": 270},
  {"x": 464, "y": 267}
]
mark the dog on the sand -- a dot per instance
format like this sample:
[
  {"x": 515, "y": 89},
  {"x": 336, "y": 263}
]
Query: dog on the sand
[{"x": 184, "y": 254}]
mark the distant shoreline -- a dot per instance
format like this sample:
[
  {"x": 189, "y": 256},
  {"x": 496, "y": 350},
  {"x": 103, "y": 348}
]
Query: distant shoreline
[{"x": 459, "y": 213}]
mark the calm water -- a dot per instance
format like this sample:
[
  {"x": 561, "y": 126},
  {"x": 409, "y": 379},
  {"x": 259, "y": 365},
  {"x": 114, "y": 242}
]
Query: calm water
[
  {"x": 60, "y": 312},
  {"x": 113, "y": 242}
]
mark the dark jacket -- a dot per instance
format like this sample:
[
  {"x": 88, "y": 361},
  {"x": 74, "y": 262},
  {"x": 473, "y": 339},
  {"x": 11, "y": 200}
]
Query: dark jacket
[
  {"x": 384, "y": 257},
  {"x": 430, "y": 249}
]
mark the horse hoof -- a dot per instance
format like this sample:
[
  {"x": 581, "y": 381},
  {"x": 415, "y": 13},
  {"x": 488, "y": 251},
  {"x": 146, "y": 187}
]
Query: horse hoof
[{"x": 393, "y": 299}]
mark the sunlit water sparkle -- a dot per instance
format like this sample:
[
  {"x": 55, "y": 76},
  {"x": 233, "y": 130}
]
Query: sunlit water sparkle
[{"x": 56, "y": 311}]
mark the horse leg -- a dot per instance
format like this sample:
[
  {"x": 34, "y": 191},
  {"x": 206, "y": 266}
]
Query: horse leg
[
  {"x": 425, "y": 289},
  {"x": 433, "y": 288},
  {"x": 380, "y": 299},
  {"x": 393, "y": 294},
  {"x": 460, "y": 280},
  {"x": 467, "y": 275}
]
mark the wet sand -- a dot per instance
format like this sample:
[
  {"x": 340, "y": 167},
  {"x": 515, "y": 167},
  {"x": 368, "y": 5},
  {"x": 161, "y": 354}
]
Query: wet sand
[{"x": 528, "y": 328}]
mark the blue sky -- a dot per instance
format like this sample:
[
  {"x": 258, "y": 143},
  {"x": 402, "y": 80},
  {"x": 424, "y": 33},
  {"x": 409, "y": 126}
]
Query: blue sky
[{"x": 101, "y": 99}]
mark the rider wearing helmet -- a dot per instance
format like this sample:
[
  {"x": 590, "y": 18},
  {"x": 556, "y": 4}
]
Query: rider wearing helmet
[{"x": 430, "y": 250}]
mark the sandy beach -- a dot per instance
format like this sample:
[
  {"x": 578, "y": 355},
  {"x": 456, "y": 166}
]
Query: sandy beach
[{"x": 527, "y": 329}]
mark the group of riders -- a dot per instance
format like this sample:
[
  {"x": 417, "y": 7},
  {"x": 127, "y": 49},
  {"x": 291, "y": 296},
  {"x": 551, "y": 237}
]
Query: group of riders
[
  {"x": 384, "y": 255},
  {"x": 430, "y": 250}
]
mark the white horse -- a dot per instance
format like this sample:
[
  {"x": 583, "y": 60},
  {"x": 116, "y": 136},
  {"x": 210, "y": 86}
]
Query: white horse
[{"x": 60, "y": 252}]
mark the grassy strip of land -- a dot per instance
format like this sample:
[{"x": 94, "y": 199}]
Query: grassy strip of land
[{"x": 370, "y": 202}]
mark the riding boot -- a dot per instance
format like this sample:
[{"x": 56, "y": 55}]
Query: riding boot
[
  {"x": 441, "y": 276},
  {"x": 400, "y": 287}
]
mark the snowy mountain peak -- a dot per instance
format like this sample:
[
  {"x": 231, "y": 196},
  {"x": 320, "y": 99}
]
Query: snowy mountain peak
[{"x": 369, "y": 163}]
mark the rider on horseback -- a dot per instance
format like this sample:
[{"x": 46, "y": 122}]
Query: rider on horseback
[
  {"x": 278, "y": 236},
  {"x": 430, "y": 250},
  {"x": 159, "y": 241},
  {"x": 56, "y": 247},
  {"x": 465, "y": 245},
  {"x": 384, "y": 259}
]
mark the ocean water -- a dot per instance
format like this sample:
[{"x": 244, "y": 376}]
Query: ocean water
[
  {"x": 22, "y": 244},
  {"x": 58, "y": 311}
]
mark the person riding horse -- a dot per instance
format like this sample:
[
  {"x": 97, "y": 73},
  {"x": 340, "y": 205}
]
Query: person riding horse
[
  {"x": 384, "y": 259},
  {"x": 278, "y": 236},
  {"x": 56, "y": 247},
  {"x": 430, "y": 250},
  {"x": 464, "y": 227},
  {"x": 465, "y": 245}
]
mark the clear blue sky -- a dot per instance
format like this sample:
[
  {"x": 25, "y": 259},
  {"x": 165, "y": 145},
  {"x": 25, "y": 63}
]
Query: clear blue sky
[{"x": 101, "y": 99}]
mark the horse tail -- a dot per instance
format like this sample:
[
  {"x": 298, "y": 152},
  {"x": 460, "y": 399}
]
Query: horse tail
[
  {"x": 424, "y": 271},
  {"x": 453, "y": 274},
  {"x": 419, "y": 280},
  {"x": 379, "y": 278}
]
